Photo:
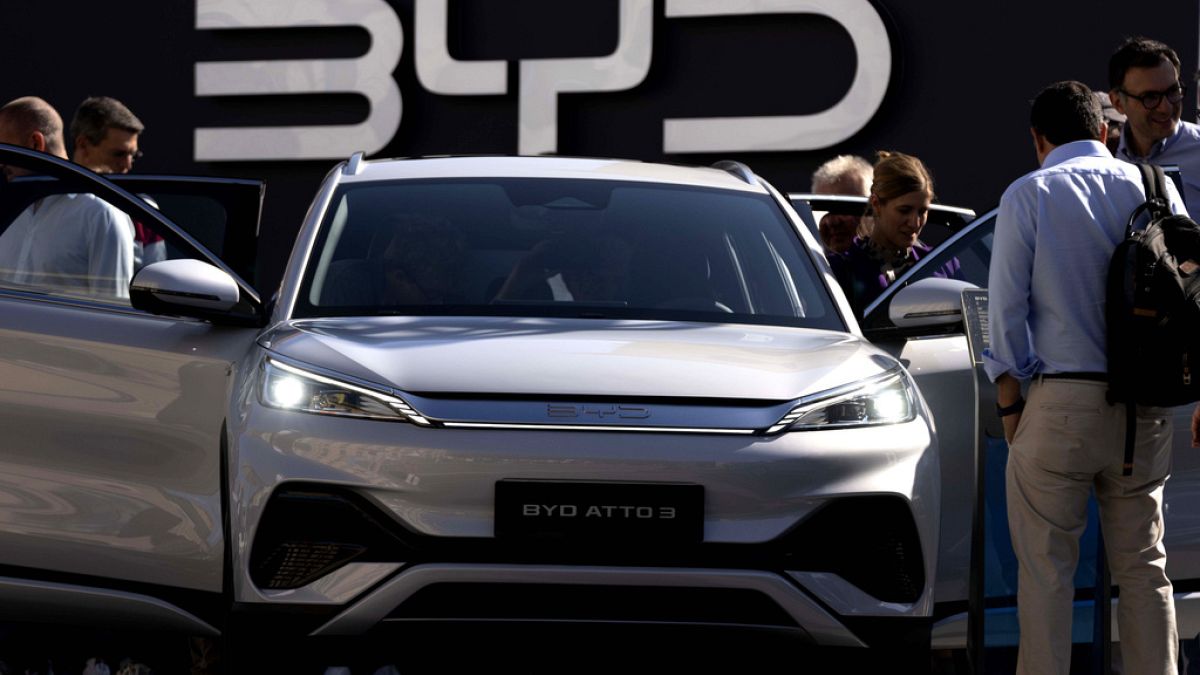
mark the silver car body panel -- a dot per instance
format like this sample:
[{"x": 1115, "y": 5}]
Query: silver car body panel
[
  {"x": 364, "y": 614},
  {"x": 940, "y": 366},
  {"x": 482, "y": 355},
  {"x": 847, "y": 599},
  {"x": 112, "y": 419}
]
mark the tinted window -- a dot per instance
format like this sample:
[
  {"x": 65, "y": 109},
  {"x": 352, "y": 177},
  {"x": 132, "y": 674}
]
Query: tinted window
[
  {"x": 58, "y": 238},
  {"x": 547, "y": 247},
  {"x": 973, "y": 250}
]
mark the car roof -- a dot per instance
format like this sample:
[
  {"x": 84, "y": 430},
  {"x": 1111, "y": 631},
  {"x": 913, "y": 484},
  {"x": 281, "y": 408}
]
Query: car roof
[{"x": 547, "y": 167}]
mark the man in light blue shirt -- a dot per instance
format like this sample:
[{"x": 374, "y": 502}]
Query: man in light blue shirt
[
  {"x": 1056, "y": 231},
  {"x": 1144, "y": 85}
]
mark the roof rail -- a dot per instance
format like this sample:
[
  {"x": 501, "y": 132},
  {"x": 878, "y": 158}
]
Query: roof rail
[
  {"x": 354, "y": 166},
  {"x": 737, "y": 169}
]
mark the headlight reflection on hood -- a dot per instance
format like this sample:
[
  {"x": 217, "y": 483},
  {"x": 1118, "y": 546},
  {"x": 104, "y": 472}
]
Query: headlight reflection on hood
[
  {"x": 291, "y": 388},
  {"x": 885, "y": 399}
]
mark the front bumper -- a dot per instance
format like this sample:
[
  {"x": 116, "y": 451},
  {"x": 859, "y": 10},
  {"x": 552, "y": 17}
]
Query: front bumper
[{"x": 365, "y": 523}]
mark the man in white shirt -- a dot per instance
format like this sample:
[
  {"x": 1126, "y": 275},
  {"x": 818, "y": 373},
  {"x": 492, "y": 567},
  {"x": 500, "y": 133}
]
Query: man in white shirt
[{"x": 70, "y": 243}]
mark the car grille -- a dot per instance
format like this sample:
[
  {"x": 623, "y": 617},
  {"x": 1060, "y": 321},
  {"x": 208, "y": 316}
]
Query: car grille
[{"x": 308, "y": 532}]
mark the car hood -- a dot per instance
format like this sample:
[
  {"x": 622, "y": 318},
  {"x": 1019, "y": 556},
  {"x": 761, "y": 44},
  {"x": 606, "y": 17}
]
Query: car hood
[{"x": 537, "y": 356}]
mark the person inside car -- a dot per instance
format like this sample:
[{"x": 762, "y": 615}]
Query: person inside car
[
  {"x": 590, "y": 268},
  {"x": 416, "y": 266},
  {"x": 901, "y": 192},
  {"x": 842, "y": 175}
]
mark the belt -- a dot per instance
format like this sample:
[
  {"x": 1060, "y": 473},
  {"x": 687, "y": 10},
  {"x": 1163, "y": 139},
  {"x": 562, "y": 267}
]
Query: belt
[{"x": 1090, "y": 377}]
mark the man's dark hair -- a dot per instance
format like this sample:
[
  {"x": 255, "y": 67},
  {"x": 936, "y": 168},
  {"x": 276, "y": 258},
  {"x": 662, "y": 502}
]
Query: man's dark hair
[
  {"x": 1138, "y": 52},
  {"x": 97, "y": 114},
  {"x": 1065, "y": 112}
]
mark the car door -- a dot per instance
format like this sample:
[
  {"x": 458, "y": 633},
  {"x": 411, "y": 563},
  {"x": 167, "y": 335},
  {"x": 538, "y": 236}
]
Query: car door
[
  {"x": 110, "y": 456},
  {"x": 940, "y": 361}
]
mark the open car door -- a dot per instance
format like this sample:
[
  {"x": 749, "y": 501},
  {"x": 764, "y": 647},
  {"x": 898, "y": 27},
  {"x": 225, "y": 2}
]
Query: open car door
[{"x": 111, "y": 507}]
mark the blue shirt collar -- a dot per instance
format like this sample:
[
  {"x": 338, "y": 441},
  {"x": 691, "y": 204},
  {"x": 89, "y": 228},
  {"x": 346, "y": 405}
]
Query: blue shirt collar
[
  {"x": 1158, "y": 147},
  {"x": 1069, "y": 151}
]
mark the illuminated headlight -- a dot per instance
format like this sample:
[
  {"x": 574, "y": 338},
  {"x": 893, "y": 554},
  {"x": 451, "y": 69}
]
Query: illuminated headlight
[
  {"x": 292, "y": 388},
  {"x": 887, "y": 399}
]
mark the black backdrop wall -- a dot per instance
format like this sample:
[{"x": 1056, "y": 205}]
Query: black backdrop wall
[{"x": 962, "y": 76}]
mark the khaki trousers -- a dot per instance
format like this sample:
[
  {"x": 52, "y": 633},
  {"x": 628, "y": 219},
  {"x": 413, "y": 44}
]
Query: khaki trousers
[{"x": 1069, "y": 442}]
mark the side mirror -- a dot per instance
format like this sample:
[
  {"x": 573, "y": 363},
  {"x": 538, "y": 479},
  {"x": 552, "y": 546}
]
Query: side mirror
[
  {"x": 184, "y": 288},
  {"x": 929, "y": 302}
]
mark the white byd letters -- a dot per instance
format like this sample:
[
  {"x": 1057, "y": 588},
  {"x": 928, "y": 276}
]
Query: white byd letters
[
  {"x": 439, "y": 72},
  {"x": 541, "y": 80},
  {"x": 795, "y": 132},
  {"x": 369, "y": 75}
]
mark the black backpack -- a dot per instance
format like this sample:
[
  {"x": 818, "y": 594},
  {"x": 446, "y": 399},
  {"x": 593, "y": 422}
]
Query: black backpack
[{"x": 1153, "y": 309}]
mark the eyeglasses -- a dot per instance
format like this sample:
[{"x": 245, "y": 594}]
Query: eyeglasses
[
  {"x": 1151, "y": 99},
  {"x": 126, "y": 154}
]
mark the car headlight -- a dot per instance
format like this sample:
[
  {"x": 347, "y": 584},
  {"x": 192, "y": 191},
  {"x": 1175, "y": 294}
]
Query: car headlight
[
  {"x": 885, "y": 399},
  {"x": 291, "y": 388}
]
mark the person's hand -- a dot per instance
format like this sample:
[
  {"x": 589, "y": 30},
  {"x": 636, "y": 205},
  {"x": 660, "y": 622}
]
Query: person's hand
[
  {"x": 1010, "y": 423},
  {"x": 1196, "y": 427}
]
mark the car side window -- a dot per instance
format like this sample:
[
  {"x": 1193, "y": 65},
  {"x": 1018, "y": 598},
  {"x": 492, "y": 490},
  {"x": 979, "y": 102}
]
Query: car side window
[
  {"x": 973, "y": 250},
  {"x": 71, "y": 243}
]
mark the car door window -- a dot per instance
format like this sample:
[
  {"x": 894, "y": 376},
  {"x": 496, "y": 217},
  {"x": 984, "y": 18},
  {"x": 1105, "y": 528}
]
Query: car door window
[
  {"x": 66, "y": 233},
  {"x": 65, "y": 242},
  {"x": 973, "y": 250},
  {"x": 222, "y": 214},
  {"x": 60, "y": 240}
]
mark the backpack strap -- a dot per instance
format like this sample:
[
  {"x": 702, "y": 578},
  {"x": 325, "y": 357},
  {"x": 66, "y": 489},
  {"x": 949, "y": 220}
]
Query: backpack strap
[{"x": 1155, "y": 183}]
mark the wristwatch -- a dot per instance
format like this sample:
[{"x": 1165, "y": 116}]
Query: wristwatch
[{"x": 1005, "y": 411}]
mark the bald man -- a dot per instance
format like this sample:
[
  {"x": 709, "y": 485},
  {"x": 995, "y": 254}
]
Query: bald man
[{"x": 71, "y": 244}]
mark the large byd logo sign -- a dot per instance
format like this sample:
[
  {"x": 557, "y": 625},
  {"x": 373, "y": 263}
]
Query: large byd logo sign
[{"x": 540, "y": 80}]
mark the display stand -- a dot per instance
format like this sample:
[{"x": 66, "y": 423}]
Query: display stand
[{"x": 975, "y": 322}]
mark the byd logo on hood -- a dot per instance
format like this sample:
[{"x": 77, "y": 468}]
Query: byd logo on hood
[{"x": 541, "y": 80}]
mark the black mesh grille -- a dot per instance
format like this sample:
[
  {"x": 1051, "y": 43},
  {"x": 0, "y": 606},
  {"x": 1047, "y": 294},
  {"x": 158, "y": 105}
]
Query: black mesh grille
[
  {"x": 304, "y": 535},
  {"x": 872, "y": 542}
]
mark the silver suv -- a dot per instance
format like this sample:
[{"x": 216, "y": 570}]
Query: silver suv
[{"x": 489, "y": 389}]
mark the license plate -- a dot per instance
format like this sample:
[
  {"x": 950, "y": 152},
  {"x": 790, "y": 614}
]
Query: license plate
[{"x": 581, "y": 511}]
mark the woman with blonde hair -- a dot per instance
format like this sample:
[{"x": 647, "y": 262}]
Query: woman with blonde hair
[{"x": 901, "y": 192}]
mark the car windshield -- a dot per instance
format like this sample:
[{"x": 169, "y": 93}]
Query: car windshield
[{"x": 555, "y": 248}]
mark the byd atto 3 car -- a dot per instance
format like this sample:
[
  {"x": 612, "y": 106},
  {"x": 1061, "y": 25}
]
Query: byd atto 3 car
[{"x": 489, "y": 389}]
